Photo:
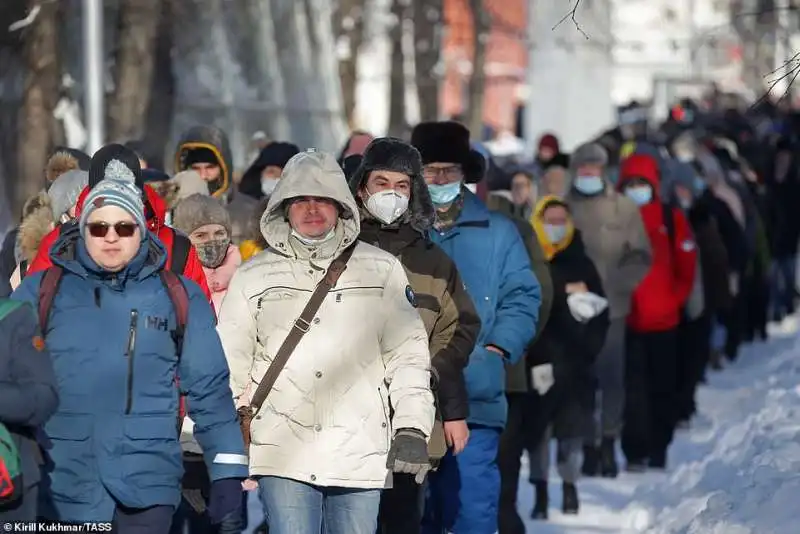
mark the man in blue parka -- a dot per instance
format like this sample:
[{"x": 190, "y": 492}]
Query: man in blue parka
[
  {"x": 112, "y": 445},
  {"x": 494, "y": 264}
]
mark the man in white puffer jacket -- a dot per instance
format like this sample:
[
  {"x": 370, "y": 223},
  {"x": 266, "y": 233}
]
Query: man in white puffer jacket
[{"x": 324, "y": 443}]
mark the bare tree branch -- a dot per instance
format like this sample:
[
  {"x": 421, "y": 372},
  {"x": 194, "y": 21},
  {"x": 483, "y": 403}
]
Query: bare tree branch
[{"x": 571, "y": 16}]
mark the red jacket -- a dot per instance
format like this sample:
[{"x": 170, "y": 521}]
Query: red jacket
[
  {"x": 156, "y": 211},
  {"x": 657, "y": 302}
]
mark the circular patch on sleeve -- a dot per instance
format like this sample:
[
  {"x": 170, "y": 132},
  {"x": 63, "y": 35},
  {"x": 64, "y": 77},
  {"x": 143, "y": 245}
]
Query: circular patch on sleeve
[
  {"x": 412, "y": 298},
  {"x": 38, "y": 343}
]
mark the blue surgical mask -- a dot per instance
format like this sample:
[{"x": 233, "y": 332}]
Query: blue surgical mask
[
  {"x": 444, "y": 194},
  {"x": 555, "y": 232},
  {"x": 590, "y": 185},
  {"x": 640, "y": 194}
]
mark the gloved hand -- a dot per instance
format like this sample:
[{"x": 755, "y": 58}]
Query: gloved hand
[
  {"x": 542, "y": 378},
  {"x": 225, "y": 499},
  {"x": 409, "y": 454}
]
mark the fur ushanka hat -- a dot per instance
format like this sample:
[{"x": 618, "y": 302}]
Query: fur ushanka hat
[
  {"x": 389, "y": 154},
  {"x": 448, "y": 142}
]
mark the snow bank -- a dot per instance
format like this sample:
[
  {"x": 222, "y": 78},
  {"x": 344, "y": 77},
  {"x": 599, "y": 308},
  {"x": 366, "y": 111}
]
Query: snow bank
[{"x": 749, "y": 479}]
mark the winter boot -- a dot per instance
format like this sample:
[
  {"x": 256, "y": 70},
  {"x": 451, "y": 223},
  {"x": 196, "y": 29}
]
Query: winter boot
[
  {"x": 608, "y": 459},
  {"x": 636, "y": 466},
  {"x": 591, "y": 461},
  {"x": 542, "y": 501},
  {"x": 570, "y": 504},
  {"x": 658, "y": 460},
  {"x": 715, "y": 360}
]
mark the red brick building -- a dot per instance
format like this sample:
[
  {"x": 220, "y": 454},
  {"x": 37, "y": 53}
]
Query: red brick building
[{"x": 506, "y": 59}]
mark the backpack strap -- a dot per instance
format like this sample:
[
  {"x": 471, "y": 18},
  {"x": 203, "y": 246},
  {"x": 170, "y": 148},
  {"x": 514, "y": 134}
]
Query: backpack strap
[
  {"x": 180, "y": 302},
  {"x": 23, "y": 269},
  {"x": 48, "y": 287},
  {"x": 7, "y": 306},
  {"x": 180, "y": 252}
]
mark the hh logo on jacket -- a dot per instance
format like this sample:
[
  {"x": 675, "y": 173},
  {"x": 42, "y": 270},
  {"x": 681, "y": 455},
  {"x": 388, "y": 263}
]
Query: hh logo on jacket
[{"x": 156, "y": 323}]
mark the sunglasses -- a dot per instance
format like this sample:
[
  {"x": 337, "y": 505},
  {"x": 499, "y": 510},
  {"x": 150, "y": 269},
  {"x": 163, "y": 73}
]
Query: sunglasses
[{"x": 122, "y": 229}]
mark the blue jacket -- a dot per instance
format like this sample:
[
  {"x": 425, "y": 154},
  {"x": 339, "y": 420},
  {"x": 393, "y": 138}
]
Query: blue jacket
[
  {"x": 114, "y": 436},
  {"x": 495, "y": 266}
]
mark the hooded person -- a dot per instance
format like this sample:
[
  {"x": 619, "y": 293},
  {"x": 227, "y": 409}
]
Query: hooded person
[
  {"x": 260, "y": 179},
  {"x": 396, "y": 212},
  {"x": 181, "y": 256},
  {"x": 560, "y": 367},
  {"x": 325, "y": 439},
  {"x": 656, "y": 309},
  {"x": 110, "y": 326},
  {"x": 44, "y": 214},
  {"x": 616, "y": 241},
  {"x": 492, "y": 259},
  {"x": 205, "y": 149},
  {"x": 62, "y": 160}
]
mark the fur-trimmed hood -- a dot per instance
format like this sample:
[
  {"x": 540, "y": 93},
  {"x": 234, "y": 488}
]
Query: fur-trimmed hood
[
  {"x": 213, "y": 139},
  {"x": 37, "y": 223},
  {"x": 63, "y": 160},
  {"x": 391, "y": 154}
]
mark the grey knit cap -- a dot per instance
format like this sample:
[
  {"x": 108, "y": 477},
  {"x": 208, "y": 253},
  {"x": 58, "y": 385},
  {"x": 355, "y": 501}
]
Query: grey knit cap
[
  {"x": 588, "y": 154},
  {"x": 65, "y": 190},
  {"x": 198, "y": 210}
]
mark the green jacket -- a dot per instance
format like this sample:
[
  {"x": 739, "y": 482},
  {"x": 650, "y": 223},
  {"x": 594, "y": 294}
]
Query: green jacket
[{"x": 516, "y": 381}]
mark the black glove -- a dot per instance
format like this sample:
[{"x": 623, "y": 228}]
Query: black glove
[{"x": 409, "y": 454}]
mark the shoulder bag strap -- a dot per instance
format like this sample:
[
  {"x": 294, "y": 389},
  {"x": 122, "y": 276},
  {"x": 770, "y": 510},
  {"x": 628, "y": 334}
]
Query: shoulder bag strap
[{"x": 299, "y": 329}]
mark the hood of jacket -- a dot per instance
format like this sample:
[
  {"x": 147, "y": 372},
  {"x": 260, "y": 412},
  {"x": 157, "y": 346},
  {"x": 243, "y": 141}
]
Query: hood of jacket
[
  {"x": 641, "y": 166},
  {"x": 275, "y": 154},
  {"x": 155, "y": 208},
  {"x": 69, "y": 252},
  {"x": 36, "y": 224},
  {"x": 213, "y": 139},
  {"x": 310, "y": 174},
  {"x": 65, "y": 159}
]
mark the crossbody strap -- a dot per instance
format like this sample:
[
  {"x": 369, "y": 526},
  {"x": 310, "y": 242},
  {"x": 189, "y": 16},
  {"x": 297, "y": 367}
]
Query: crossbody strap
[{"x": 299, "y": 329}]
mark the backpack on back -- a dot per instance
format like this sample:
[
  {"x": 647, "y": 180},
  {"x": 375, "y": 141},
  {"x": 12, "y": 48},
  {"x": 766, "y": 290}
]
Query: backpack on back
[{"x": 10, "y": 462}]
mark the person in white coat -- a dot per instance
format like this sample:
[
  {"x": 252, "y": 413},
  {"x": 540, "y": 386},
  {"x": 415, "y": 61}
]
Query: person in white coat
[{"x": 353, "y": 403}]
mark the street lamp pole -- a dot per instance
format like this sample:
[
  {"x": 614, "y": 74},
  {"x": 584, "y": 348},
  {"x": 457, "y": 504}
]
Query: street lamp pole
[{"x": 94, "y": 74}]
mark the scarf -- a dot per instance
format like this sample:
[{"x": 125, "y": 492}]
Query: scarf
[
  {"x": 550, "y": 248},
  {"x": 219, "y": 278}
]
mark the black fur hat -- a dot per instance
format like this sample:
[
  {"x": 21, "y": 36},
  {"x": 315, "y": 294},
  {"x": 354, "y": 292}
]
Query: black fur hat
[
  {"x": 390, "y": 154},
  {"x": 448, "y": 142}
]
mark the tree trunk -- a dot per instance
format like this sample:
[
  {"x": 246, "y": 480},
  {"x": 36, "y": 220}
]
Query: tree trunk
[
  {"x": 481, "y": 22},
  {"x": 397, "y": 78},
  {"x": 349, "y": 26},
  {"x": 161, "y": 104},
  {"x": 428, "y": 21},
  {"x": 139, "y": 22},
  {"x": 41, "y": 94}
]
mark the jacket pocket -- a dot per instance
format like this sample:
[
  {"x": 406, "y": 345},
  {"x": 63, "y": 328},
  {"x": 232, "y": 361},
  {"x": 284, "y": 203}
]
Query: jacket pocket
[
  {"x": 485, "y": 375},
  {"x": 151, "y": 452},
  {"x": 71, "y": 466},
  {"x": 386, "y": 422}
]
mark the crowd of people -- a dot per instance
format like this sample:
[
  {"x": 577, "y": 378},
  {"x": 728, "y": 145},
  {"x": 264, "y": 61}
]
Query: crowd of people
[{"x": 371, "y": 341}]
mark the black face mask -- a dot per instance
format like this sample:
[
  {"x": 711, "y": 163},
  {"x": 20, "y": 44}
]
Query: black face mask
[{"x": 213, "y": 253}]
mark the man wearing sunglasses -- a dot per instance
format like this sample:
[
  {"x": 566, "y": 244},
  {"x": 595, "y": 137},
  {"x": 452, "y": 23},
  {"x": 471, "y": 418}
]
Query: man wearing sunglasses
[
  {"x": 112, "y": 331},
  {"x": 181, "y": 255},
  {"x": 494, "y": 264}
]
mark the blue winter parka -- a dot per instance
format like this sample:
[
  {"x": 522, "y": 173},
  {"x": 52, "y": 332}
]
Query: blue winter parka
[
  {"x": 114, "y": 438},
  {"x": 495, "y": 266}
]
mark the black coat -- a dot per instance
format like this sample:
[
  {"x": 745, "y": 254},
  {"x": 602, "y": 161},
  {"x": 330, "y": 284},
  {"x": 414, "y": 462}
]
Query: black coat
[{"x": 570, "y": 346}]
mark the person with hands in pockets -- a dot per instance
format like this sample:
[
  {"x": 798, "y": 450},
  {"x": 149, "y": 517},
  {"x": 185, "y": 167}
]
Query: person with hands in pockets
[
  {"x": 112, "y": 445},
  {"x": 323, "y": 444}
]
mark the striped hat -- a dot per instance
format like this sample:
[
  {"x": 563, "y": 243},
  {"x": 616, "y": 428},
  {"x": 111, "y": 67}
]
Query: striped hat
[{"x": 116, "y": 189}]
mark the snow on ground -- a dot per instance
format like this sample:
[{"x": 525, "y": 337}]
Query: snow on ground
[{"x": 735, "y": 472}]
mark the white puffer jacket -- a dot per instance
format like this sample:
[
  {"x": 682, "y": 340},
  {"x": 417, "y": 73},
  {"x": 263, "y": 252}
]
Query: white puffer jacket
[{"x": 326, "y": 421}]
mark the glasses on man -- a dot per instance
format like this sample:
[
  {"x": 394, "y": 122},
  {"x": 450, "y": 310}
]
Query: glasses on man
[
  {"x": 122, "y": 229},
  {"x": 452, "y": 172}
]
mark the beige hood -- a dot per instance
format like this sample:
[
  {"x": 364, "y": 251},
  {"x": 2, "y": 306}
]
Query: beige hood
[{"x": 310, "y": 174}]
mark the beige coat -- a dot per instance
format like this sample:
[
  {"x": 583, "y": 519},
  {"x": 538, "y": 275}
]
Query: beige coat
[
  {"x": 326, "y": 421},
  {"x": 617, "y": 243}
]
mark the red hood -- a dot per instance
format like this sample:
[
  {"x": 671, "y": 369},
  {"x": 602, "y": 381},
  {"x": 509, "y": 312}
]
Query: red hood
[
  {"x": 155, "y": 207},
  {"x": 640, "y": 166}
]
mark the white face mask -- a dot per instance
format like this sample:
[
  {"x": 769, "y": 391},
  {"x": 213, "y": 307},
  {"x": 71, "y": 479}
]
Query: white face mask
[
  {"x": 387, "y": 206},
  {"x": 268, "y": 185}
]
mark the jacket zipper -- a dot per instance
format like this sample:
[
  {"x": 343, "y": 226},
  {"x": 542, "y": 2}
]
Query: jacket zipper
[{"x": 130, "y": 353}]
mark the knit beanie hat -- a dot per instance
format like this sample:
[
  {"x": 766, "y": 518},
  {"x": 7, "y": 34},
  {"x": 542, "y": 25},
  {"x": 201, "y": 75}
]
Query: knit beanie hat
[
  {"x": 198, "y": 210},
  {"x": 117, "y": 187},
  {"x": 64, "y": 192},
  {"x": 588, "y": 154},
  {"x": 100, "y": 167}
]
